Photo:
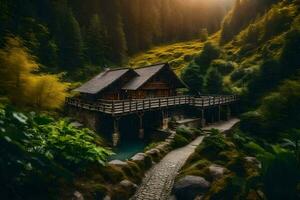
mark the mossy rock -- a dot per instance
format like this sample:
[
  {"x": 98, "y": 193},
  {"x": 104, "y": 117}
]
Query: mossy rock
[
  {"x": 112, "y": 174},
  {"x": 132, "y": 174},
  {"x": 92, "y": 189},
  {"x": 120, "y": 193},
  {"x": 228, "y": 187},
  {"x": 227, "y": 156},
  {"x": 238, "y": 166}
]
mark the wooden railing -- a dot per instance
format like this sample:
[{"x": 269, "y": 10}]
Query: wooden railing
[{"x": 136, "y": 105}]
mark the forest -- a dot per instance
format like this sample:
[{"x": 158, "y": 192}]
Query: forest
[
  {"x": 249, "y": 48},
  {"x": 81, "y": 37}
]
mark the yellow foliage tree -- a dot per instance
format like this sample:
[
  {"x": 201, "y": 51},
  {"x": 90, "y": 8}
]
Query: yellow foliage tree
[{"x": 21, "y": 82}]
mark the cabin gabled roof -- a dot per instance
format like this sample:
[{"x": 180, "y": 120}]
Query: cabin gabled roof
[
  {"x": 141, "y": 76},
  {"x": 103, "y": 80},
  {"x": 146, "y": 73}
]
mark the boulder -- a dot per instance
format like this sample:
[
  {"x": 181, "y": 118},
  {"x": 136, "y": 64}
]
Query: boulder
[
  {"x": 128, "y": 186},
  {"x": 77, "y": 196},
  {"x": 216, "y": 171},
  {"x": 118, "y": 163},
  {"x": 253, "y": 160},
  {"x": 189, "y": 187},
  {"x": 138, "y": 157}
]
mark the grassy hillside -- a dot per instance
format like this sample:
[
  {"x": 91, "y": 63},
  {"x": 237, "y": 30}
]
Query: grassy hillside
[{"x": 179, "y": 55}]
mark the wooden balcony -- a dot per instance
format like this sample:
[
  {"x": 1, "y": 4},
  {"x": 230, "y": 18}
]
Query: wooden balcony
[{"x": 120, "y": 107}]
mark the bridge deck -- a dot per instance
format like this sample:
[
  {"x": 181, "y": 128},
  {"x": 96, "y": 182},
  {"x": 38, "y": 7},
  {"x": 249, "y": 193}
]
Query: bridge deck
[{"x": 119, "y": 107}]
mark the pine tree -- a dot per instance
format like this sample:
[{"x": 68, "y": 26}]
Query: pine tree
[
  {"x": 95, "y": 41},
  {"x": 214, "y": 82},
  {"x": 113, "y": 21},
  {"x": 70, "y": 42}
]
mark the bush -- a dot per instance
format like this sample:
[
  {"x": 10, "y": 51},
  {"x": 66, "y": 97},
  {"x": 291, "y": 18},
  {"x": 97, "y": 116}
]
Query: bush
[
  {"x": 179, "y": 141},
  {"x": 209, "y": 53},
  {"x": 212, "y": 146},
  {"x": 238, "y": 74},
  {"x": 21, "y": 82},
  {"x": 253, "y": 122},
  {"x": 185, "y": 132},
  {"x": 224, "y": 67}
]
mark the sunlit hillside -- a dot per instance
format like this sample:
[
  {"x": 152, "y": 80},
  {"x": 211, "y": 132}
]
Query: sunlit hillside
[{"x": 179, "y": 55}]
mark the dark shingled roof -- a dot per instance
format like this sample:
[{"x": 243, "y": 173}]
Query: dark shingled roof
[
  {"x": 101, "y": 81},
  {"x": 145, "y": 73}
]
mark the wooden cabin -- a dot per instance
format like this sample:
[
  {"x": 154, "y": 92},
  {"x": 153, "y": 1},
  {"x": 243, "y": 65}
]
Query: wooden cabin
[{"x": 126, "y": 83}]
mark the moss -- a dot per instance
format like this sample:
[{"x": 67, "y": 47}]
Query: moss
[
  {"x": 228, "y": 187},
  {"x": 119, "y": 193},
  {"x": 185, "y": 132},
  {"x": 212, "y": 146},
  {"x": 112, "y": 174},
  {"x": 237, "y": 165}
]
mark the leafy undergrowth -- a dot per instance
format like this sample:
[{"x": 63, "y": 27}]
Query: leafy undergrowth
[
  {"x": 179, "y": 55},
  {"x": 40, "y": 154},
  {"x": 253, "y": 168}
]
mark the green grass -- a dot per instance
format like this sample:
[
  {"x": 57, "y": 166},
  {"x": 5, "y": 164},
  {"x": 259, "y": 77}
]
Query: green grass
[{"x": 178, "y": 55}]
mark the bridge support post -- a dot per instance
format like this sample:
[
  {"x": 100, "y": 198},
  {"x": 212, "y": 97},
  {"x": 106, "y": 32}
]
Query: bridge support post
[
  {"x": 203, "y": 121},
  {"x": 141, "y": 127},
  {"x": 116, "y": 133},
  {"x": 228, "y": 112},
  {"x": 219, "y": 113},
  {"x": 165, "y": 120}
]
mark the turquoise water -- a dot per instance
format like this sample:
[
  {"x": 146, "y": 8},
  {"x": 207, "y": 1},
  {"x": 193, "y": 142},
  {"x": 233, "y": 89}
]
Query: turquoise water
[{"x": 128, "y": 149}]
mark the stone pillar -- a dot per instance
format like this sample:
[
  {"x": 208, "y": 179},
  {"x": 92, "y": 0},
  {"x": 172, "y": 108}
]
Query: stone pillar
[
  {"x": 116, "y": 133},
  {"x": 228, "y": 112},
  {"x": 203, "y": 121},
  {"x": 141, "y": 127}
]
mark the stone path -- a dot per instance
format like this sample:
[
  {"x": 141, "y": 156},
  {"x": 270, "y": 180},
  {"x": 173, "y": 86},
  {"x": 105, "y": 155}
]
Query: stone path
[{"x": 158, "y": 182}]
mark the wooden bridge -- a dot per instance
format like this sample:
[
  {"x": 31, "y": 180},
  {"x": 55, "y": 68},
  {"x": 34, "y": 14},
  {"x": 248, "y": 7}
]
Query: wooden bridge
[{"x": 124, "y": 107}]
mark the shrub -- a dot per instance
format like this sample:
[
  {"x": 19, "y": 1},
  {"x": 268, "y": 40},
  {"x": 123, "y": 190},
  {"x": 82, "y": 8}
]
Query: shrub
[
  {"x": 212, "y": 146},
  {"x": 179, "y": 141},
  {"x": 185, "y": 132},
  {"x": 224, "y": 67},
  {"x": 238, "y": 74},
  {"x": 209, "y": 53},
  {"x": 253, "y": 122},
  {"x": 21, "y": 82}
]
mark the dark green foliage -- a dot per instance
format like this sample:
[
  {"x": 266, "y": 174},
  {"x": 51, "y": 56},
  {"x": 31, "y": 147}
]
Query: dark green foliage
[
  {"x": 96, "y": 41},
  {"x": 209, "y": 53},
  {"x": 289, "y": 59},
  {"x": 212, "y": 146},
  {"x": 214, "y": 82},
  {"x": 266, "y": 79},
  {"x": 280, "y": 176},
  {"x": 224, "y": 67},
  {"x": 185, "y": 132},
  {"x": 193, "y": 78},
  {"x": 253, "y": 122},
  {"x": 70, "y": 41},
  {"x": 179, "y": 141},
  {"x": 39, "y": 153},
  {"x": 67, "y": 35}
]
